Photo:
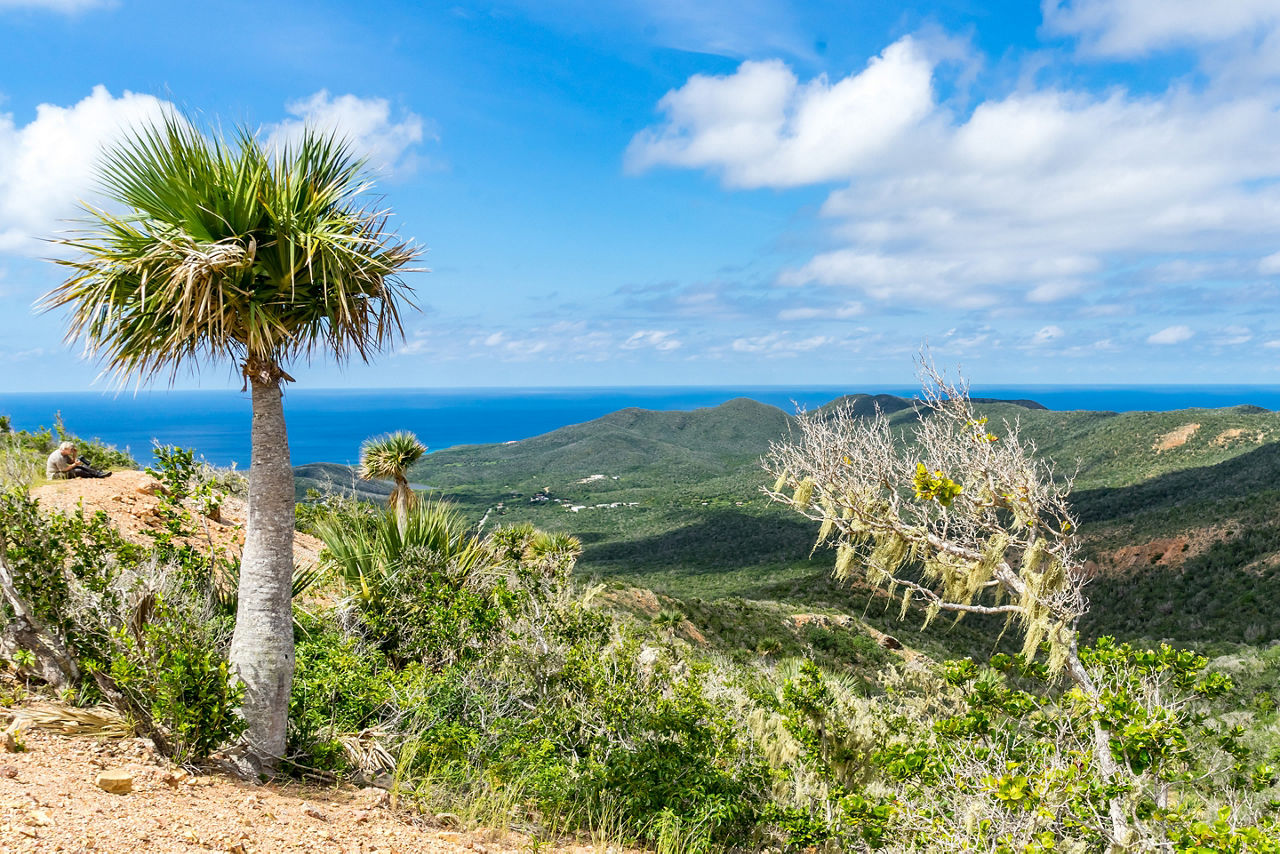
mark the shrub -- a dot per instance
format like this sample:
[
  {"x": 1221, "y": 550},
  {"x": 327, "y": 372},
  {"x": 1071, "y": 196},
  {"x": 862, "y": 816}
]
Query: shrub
[
  {"x": 173, "y": 668},
  {"x": 340, "y": 686}
]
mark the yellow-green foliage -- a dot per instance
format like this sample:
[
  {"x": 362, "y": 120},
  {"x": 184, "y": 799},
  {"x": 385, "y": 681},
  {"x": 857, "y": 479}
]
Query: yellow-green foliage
[
  {"x": 890, "y": 552},
  {"x": 935, "y": 486}
]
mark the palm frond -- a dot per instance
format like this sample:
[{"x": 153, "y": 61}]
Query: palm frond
[
  {"x": 390, "y": 456},
  {"x": 232, "y": 251},
  {"x": 433, "y": 531}
]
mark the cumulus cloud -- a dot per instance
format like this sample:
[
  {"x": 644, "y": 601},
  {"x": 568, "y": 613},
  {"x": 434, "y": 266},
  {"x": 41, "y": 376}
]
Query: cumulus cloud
[
  {"x": 47, "y": 166},
  {"x": 367, "y": 123},
  {"x": 1171, "y": 335},
  {"x": 1136, "y": 27},
  {"x": 1031, "y": 197},
  {"x": 761, "y": 127}
]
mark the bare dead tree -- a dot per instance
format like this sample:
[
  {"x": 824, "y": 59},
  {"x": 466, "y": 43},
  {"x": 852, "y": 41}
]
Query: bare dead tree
[{"x": 951, "y": 517}]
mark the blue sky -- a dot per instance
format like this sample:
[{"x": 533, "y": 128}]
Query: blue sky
[{"x": 729, "y": 193}]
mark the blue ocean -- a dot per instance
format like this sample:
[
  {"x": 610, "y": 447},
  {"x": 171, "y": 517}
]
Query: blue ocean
[{"x": 328, "y": 425}]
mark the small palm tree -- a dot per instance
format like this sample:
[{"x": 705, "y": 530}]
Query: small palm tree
[
  {"x": 389, "y": 457},
  {"x": 365, "y": 557},
  {"x": 228, "y": 251},
  {"x": 669, "y": 620}
]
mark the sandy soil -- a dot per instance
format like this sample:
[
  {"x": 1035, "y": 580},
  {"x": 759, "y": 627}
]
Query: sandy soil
[
  {"x": 129, "y": 498},
  {"x": 49, "y": 802}
]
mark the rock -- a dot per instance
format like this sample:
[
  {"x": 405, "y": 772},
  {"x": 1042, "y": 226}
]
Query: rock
[
  {"x": 889, "y": 642},
  {"x": 309, "y": 810},
  {"x": 152, "y": 487},
  {"x": 117, "y": 781},
  {"x": 173, "y": 779},
  {"x": 371, "y": 798},
  {"x": 8, "y": 771},
  {"x": 40, "y": 818}
]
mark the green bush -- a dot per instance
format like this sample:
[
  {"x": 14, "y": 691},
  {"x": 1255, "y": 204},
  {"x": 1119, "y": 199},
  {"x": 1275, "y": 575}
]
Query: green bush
[
  {"x": 174, "y": 670},
  {"x": 59, "y": 563},
  {"x": 341, "y": 685}
]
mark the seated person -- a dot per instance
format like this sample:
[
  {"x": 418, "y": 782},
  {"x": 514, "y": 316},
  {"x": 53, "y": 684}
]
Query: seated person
[{"x": 65, "y": 463}]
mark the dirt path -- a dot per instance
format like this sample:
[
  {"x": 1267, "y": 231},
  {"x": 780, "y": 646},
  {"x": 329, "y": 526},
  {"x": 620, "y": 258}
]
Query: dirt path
[{"x": 49, "y": 802}]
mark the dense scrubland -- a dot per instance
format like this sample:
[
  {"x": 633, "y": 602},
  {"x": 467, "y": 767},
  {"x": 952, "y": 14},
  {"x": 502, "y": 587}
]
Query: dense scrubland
[{"x": 673, "y": 663}]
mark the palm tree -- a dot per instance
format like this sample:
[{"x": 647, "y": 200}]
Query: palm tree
[
  {"x": 232, "y": 252},
  {"x": 389, "y": 457},
  {"x": 364, "y": 557}
]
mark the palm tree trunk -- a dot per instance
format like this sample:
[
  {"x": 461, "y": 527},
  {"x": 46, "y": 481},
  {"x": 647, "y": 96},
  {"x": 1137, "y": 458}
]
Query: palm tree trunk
[
  {"x": 262, "y": 646},
  {"x": 401, "y": 498}
]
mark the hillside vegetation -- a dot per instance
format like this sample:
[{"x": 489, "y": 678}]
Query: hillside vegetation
[
  {"x": 750, "y": 703},
  {"x": 671, "y": 500}
]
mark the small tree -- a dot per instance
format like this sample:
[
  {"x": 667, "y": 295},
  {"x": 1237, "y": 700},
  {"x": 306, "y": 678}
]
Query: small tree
[
  {"x": 950, "y": 517},
  {"x": 390, "y": 457},
  {"x": 230, "y": 251}
]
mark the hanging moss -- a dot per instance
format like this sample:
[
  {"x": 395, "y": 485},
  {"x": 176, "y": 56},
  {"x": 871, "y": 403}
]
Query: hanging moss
[
  {"x": 844, "y": 561},
  {"x": 890, "y": 552},
  {"x": 828, "y": 525},
  {"x": 1032, "y": 558},
  {"x": 781, "y": 482},
  {"x": 803, "y": 494},
  {"x": 932, "y": 611}
]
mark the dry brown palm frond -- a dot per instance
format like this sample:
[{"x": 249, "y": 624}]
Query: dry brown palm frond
[
  {"x": 98, "y": 721},
  {"x": 365, "y": 750}
]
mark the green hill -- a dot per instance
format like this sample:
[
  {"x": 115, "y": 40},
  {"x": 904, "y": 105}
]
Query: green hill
[{"x": 672, "y": 501}]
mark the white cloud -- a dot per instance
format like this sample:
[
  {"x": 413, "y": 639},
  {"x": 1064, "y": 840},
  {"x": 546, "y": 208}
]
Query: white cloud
[
  {"x": 1171, "y": 335},
  {"x": 780, "y": 344},
  {"x": 47, "y": 165},
  {"x": 1046, "y": 335},
  {"x": 367, "y": 123},
  {"x": 760, "y": 127},
  {"x": 1031, "y": 197},
  {"x": 1056, "y": 291},
  {"x": 662, "y": 340},
  {"x": 1136, "y": 27},
  {"x": 1270, "y": 265},
  {"x": 1234, "y": 336}
]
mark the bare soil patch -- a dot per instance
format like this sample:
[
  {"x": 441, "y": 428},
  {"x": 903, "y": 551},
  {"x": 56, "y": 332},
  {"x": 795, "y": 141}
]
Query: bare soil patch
[
  {"x": 130, "y": 501},
  {"x": 1226, "y": 437},
  {"x": 1175, "y": 438}
]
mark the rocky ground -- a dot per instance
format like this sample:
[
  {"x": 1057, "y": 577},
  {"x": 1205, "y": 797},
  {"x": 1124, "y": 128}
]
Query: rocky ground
[{"x": 52, "y": 800}]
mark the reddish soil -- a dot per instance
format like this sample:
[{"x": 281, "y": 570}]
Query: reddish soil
[{"x": 129, "y": 499}]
